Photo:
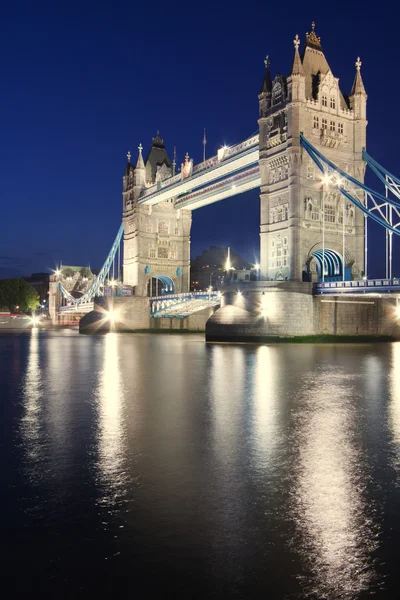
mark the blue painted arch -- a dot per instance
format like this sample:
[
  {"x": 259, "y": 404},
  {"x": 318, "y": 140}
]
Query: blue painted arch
[{"x": 331, "y": 264}]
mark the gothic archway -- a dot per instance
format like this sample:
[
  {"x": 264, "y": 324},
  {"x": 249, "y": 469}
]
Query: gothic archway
[
  {"x": 160, "y": 285},
  {"x": 328, "y": 263}
]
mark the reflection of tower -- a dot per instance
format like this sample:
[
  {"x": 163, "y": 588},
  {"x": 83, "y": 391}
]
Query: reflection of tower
[
  {"x": 156, "y": 238},
  {"x": 310, "y": 101}
]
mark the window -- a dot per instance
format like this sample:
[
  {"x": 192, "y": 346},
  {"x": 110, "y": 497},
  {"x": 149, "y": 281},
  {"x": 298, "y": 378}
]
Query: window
[
  {"x": 333, "y": 103},
  {"x": 324, "y": 124},
  {"x": 316, "y": 122},
  {"x": 314, "y": 213},
  {"x": 162, "y": 252},
  {"x": 329, "y": 216},
  {"x": 324, "y": 101},
  {"x": 277, "y": 93},
  {"x": 310, "y": 172},
  {"x": 340, "y": 127},
  {"x": 163, "y": 227},
  {"x": 176, "y": 230},
  {"x": 340, "y": 218},
  {"x": 332, "y": 126},
  {"x": 149, "y": 228},
  {"x": 285, "y": 241},
  {"x": 172, "y": 254},
  {"x": 152, "y": 253},
  {"x": 351, "y": 217}
]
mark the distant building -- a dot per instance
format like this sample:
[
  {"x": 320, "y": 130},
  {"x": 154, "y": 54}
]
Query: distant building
[{"x": 211, "y": 269}]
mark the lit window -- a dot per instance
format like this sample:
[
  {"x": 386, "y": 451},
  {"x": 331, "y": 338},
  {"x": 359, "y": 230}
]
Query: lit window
[
  {"x": 329, "y": 215},
  {"x": 316, "y": 122},
  {"x": 163, "y": 227},
  {"x": 340, "y": 127},
  {"x": 332, "y": 126},
  {"x": 333, "y": 103},
  {"x": 324, "y": 101},
  {"x": 324, "y": 124}
]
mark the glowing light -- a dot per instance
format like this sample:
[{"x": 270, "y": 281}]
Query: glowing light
[
  {"x": 233, "y": 186},
  {"x": 256, "y": 266},
  {"x": 228, "y": 265},
  {"x": 224, "y": 147},
  {"x": 219, "y": 294},
  {"x": 239, "y": 293},
  {"x": 111, "y": 316},
  {"x": 113, "y": 283},
  {"x": 35, "y": 320},
  {"x": 339, "y": 182},
  {"x": 397, "y": 312},
  {"x": 17, "y": 307},
  {"x": 57, "y": 272},
  {"x": 326, "y": 179}
]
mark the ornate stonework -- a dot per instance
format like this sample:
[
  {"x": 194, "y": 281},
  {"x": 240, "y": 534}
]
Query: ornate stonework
[
  {"x": 156, "y": 238},
  {"x": 310, "y": 101}
]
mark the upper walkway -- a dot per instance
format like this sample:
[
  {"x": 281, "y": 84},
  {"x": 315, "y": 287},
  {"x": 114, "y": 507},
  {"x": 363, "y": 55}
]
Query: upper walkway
[{"x": 235, "y": 168}]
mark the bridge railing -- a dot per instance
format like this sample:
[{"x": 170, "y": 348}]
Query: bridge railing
[{"x": 361, "y": 285}]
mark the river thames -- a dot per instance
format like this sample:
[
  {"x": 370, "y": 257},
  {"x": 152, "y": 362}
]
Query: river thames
[{"x": 158, "y": 465}]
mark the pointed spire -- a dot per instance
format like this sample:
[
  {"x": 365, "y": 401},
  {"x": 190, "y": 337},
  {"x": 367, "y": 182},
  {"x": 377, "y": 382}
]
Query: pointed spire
[
  {"x": 312, "y": 40},
  {"x": 267, "y": 81},
  {"x": 129, "y": 166},
  {"x": 358, "y": 85},
  {"x": 297, "y": 66},
  {"x": 140, "y": 163}
]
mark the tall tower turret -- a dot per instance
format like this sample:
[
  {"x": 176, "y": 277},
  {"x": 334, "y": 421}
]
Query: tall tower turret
[
  {"x": 299, "y": 215},
  {"x": 156, "y": 238}
]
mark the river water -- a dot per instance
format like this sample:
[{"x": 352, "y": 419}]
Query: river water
[{"x": 158, "y": 465}]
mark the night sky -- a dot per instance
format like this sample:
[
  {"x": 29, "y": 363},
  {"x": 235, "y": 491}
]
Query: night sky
[{"x": 83, "y": 83}]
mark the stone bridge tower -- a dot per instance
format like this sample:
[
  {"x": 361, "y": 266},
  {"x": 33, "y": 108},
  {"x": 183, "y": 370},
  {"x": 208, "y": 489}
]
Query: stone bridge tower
[
  {"x": 299, "y": 213},
  {"x": 156, "y": 238}
]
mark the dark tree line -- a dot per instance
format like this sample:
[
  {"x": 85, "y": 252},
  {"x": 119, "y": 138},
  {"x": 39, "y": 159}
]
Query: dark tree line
[{"x": 17, "y": 293}]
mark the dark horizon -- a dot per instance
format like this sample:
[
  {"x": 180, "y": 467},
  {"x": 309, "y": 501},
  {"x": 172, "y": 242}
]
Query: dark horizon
[{"x": 83, "y": 85}]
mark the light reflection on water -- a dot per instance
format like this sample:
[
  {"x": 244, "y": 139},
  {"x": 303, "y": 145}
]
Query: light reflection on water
[
  {"x": 111, "y": 450},
  {"x": 394, "y": 407},
  {"x": 31, "y": 422},
  {"x": 336, "y": 531},
  {"x": 252, "y": 466}
]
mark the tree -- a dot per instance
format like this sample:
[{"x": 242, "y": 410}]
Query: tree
[{"x": 16, "y": 292}]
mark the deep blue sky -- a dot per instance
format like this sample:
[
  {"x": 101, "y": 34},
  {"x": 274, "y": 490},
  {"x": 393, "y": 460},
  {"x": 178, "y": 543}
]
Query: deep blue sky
[{"x": 83, "y": 83}]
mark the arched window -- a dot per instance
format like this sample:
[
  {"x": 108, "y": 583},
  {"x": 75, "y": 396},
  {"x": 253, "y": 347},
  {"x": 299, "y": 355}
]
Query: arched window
[
  {"x": 329, "y": 213},
  {"x": 277, "y": 94},
  {"x": 324, "y": 101},
  {"x": 163, "y": 227},
  {"x": 351, "y": 217},
  {"x": 315, "y": 213}
]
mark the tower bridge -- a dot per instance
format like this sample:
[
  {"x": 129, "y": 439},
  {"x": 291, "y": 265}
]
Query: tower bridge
[{"x": 308, "y": 158}]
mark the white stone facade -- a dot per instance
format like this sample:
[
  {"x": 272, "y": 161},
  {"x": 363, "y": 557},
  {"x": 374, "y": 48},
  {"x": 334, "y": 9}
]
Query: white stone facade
[
  {"x": 156, "y": 238},
  {"x": 294, "y": 203}
]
